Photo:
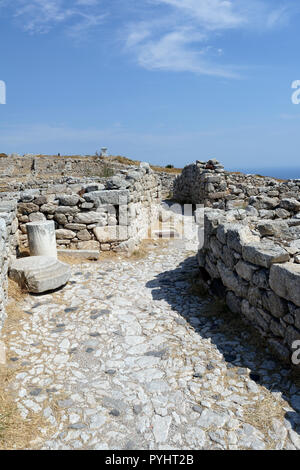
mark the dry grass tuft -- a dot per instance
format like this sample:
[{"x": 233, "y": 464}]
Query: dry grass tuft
[
  {"x": 15, "y": 292},
  {"x": 129, "y": 162},
  {"x": 13, "y": 310},
  {"x": 263, "y": 411},
  {"x": 166, "y": 170},
  {"x": 15, "y": 432}
]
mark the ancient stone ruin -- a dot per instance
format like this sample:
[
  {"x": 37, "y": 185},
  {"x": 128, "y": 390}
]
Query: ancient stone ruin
[
  {"x": 251, "y": 251},
  {"x": 188, "y": 345},
  {"x": 88, "y": 214}
]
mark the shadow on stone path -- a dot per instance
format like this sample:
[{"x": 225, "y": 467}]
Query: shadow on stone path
[{"x": 242, "y": 350}]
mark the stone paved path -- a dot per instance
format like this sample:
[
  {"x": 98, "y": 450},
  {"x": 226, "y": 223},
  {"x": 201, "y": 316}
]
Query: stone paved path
[{"x": 124, "y": 357}]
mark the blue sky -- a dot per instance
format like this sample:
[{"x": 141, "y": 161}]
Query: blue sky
[{"x": 166, "y": 81}]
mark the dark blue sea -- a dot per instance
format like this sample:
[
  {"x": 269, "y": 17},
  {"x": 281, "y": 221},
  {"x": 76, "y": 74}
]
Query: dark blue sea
[{"x": 276, "y": 172}]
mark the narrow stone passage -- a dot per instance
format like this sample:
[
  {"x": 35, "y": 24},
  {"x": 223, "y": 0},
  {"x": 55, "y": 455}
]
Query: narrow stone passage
[{"x": 125, "y": 357}]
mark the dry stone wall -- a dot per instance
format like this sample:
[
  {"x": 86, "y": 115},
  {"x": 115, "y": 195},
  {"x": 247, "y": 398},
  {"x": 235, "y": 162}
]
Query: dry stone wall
[
  {"x": 90, "y": 213},
  {"x": 27, "y": 170},
  {"x": 209, "y": 184},
  {"x": 111, "y": 215},
  {"x": 8, "y": 243},
  {"x": 251, "y": 251}
]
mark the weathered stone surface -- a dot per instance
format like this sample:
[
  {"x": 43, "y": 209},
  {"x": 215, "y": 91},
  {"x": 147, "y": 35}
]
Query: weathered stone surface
[
  {"x": 111, "y": 234},
  {"x": 68, "y": 210},
  {"x": 36, "y": 216},
  {"x": 290, "y": 204},
  {"x": 291, "y": 335},
  {"x": 27, "y": 207},
  {"x": 238, "y": 236},
  {"x": 285, "y": 281},
  {"x": 84, "y": 235},
  {"x": 232, "y": 281},
  {"x": 273, "y": 303},
  {"x": 265, "y": 254},
  {"x": 48, "y": 208},
  {"x": 91, "y": 217},
  {"x": 114, "y": 197},
  {"x": 62, "y": 234},
  {"x": 273, "y": 227},
  {"x": 39, "y": 274},
  {"x": 263, "y": 202},
  {"x": 245, "y": 270},
  {"x": 75, "y": 227},
  {"x": 68, "y": 199},
  {"x": 234, "y": 303}
]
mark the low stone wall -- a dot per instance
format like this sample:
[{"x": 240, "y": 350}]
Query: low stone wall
[
  {"x": 89, "y": 213},
  {"x": 8, "y": 243},
  {"x": 209, "y": 184},
  {"x": 251, "y": 251},
  {"x": 29, "y": 170},
  {"x": 111, "y": 215},
  {"x": 259, "y": 276}
]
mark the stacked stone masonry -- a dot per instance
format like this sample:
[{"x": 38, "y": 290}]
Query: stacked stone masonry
[
  {"x": 28, "y": 170},
  {"x": 251, "y": 251},
  {"x": 8, "y": 243},
  {"x": 90, "y": 213},
  {"x": 111, "y": 214}
]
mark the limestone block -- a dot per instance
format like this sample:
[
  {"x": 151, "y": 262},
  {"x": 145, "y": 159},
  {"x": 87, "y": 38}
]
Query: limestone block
[
  {"x": 36, "y": 216},
  {"x": 27, "y": 207},
  {"x": 75, "y": 227},
  {"x": 285, "y": 281},
  {"x": 91, "y": 218},
  {"x": 48, "y": 208},
  {"x": 263, "y": 202},
  {"x": 84, "y": 235},
  {"x": 68, "y": 199},
  {"x": 111, "y": 234},
  {"x": 68, "y": 210},
  {"x": 89, "y": 245},
  {"x": 265, "y": 254},
  {"x": 260, "y": 278},
  {"x": 40, "y": 200},
  {"x": 239, "y": 235},
  {"x": 245, "y": 270},
  {"x": 290, "y": 204},
  {"x": 39, "y": 274},
  {"x": 64, "y": 234},
  {"x": 232, "y": 281},
  {"x": 61, "y": 219},
  {"x": 274, "y": 304},
  {"x": 115, "y": 197},
  {"x": 273, "y": 227}
]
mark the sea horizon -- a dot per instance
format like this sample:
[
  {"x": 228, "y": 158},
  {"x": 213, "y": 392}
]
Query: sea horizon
[{"x": 274, "y": 172}]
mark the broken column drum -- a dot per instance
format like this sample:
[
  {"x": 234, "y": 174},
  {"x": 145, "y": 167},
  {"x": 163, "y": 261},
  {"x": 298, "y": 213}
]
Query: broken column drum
[{"x": 41, "y": 238}]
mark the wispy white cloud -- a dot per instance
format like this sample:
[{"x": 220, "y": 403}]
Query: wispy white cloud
[
  {"x": 173, "y": 51},
  {"x": 40, "y": 16},
  {"x": 180, "y": 38},
  {"x": 170, "y": 35}
]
